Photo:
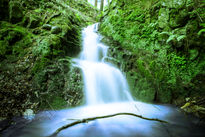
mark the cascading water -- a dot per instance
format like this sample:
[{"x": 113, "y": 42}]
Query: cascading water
[{"x": 103, "y": 82}]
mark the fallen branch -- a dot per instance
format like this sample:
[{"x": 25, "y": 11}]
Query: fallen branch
[{"x": 86, "y": 120}]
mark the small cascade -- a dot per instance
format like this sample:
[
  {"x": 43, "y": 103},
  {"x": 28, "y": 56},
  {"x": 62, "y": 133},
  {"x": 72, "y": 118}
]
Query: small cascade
[{"x": 103, "y": 82}]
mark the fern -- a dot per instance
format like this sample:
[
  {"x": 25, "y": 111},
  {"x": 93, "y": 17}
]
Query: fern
[
  {"x": 167, "y": 33},
  {"x": 181, "y": 37},
  {"x": 202, "y": 30},
  {"x": 171, "y": 37}
]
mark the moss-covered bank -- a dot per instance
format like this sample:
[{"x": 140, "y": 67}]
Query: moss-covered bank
[
  {"x": 161, "y": 44},
  {"x": 38, "y": 38}
]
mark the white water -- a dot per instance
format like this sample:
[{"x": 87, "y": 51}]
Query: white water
[{"x": 103, "y": 82}]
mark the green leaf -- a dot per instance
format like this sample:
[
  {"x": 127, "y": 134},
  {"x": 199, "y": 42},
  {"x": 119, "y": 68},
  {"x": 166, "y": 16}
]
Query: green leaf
[
  {"x": 171, "y": 38},
  {"x": 201, "y": 31},
  {"x": 167, "y": 33},
  {"x": 181, "y": 37},
  {"x": 202, "y": 24}
]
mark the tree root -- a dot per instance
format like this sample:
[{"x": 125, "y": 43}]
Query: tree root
[{"x": 86, "y": 120}]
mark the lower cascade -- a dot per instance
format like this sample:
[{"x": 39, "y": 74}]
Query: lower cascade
[{"x": 103, "y": 82}]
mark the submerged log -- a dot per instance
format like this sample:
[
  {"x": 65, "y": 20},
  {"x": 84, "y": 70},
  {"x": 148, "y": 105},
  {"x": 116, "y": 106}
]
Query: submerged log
[{"x": 86, "y": 120}]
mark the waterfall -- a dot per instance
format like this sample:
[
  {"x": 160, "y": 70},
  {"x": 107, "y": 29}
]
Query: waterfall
[{"x": 103, "y": 82}]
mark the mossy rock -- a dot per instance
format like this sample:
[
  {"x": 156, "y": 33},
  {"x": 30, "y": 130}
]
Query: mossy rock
[
  {"x": 14, "y": 38},
  {"x": 163, "y": 17},
  {"x": 177, "y": 4},
  {"x": 48, "y": 46},
  {"x": 38, "y": 55}
]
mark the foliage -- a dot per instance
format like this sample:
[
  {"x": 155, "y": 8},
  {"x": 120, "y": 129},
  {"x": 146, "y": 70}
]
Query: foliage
[
  {"x": 202, "y": 30},
  {"x": 37, "y": 39},
  {"x": 162, "y": 37}
]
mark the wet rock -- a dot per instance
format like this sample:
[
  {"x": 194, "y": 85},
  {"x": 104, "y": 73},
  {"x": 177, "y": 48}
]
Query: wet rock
[
  {"x": 56, "y": 30},
  {"x": 28, "y": 112}
]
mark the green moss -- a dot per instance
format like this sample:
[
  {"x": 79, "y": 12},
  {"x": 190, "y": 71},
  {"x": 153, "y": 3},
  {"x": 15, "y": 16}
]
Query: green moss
[
  {"x": 3, "y": 48},
  {"x": 15, "y": 39},
  {"x": 41, "y": 57},
  {"x": 40, "y": 64},
  {"x": 52, "y": 102},
  {"x": 165, "y": 39}
]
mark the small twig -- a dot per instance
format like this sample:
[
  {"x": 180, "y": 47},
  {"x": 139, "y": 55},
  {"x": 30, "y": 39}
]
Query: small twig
[
  {"x": 199, "y": 16},
  {"x": 51, "y": 108},
  {"x": 156, "y": 107},
  {"x": 137, "y": 108},
  {"x": 86, "y": 120}
]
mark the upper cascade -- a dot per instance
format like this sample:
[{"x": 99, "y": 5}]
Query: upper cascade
[
  {"x": 103, "y": 82},
  {"x": 93, "y": 50}
]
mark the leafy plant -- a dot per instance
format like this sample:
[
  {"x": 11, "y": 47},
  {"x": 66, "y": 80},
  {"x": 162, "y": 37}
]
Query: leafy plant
[{"x": 202, "y": 30}]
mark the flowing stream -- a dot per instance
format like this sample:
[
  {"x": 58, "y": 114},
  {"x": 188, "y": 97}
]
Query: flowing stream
[{"x": 106, "y": 93}]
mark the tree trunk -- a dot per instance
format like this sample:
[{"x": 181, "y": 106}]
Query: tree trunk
[
  {"x": 101, "y": 5},
  {"x": 96, "y": 3},
  {"x": 108, "y": 4}
]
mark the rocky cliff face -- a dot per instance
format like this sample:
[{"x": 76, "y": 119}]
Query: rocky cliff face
[
  {"x": 161, "y": 44},
  {"x": 37, "y": 40}
]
